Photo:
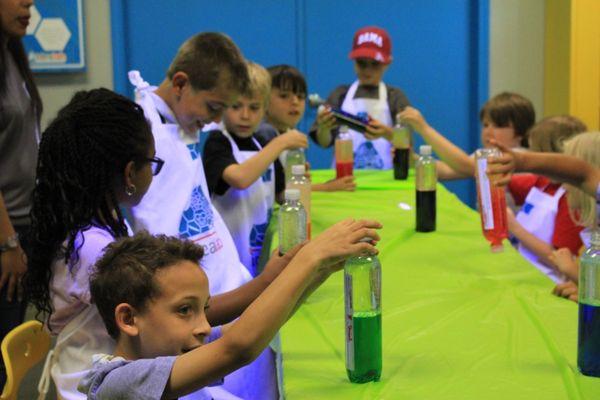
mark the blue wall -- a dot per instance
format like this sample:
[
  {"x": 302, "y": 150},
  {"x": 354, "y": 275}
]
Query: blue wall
[{"x": 440, "y": 50}]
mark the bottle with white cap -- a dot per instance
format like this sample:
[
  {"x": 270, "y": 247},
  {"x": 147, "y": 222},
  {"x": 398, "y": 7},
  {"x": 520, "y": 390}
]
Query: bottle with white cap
[
  {"x": 300, "y": 182},
  {"x": 292, "y": 221},
  {"x": 426, "y": 181},
  {"x": 344, "y": 153},
  {"x": 362, "y": 299},
  {"x": 293, "y": 157}
]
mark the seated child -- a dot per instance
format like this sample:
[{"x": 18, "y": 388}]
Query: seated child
[
  {"x": 505, "y": 118},
  {"x": 286, "y": 108},
  {"x": 159, "y": 318},
  {"x": 372, "y": 55},
  {"x": 243, "y": 172}
]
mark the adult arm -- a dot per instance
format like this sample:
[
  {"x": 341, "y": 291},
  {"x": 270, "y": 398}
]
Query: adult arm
[{"x": 13, "y": 262}]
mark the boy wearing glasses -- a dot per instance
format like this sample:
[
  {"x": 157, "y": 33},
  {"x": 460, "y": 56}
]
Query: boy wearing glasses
[{"x": 372, "y": 54}]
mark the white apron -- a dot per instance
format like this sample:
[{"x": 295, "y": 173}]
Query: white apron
[
  {"x": 178, "y": 204},
  {"x": 369, "y": 154},
  {"x": 538, "y": 216},
  {"x": 247, "y": 212}
]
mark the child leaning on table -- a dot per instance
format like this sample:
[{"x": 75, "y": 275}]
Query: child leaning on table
[
  {"x": 243, "y": 172},
  {"x": 159, "y": 322}
]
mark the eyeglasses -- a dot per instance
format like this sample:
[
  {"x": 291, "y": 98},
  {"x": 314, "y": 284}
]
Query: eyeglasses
[
  {"x": 364, "y": 63},
  {"x": 156, "y": 164}
]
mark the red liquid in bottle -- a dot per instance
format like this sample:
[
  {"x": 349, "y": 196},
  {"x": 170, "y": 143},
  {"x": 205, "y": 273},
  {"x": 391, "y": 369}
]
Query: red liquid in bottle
[{"x": 343, "y": 168}]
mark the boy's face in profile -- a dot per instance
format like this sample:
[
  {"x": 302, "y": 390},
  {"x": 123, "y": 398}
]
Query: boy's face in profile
[
  {"x": 175, "y": 321},
  {"x": 286, "y": 108},
  {"x": 243, "y": 117},
  {"x": 369, "y": 71},
  {"x": 503, "y": 135}
]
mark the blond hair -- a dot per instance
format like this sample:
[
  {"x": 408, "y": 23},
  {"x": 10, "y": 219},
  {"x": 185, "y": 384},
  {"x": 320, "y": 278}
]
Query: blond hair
[
  {"x": 550, "y": 133},
  {"x": 587, "y": 147},
  {"x": 260, "y": 83}
]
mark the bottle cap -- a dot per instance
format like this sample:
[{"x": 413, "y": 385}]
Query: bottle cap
[
  {"x": 292, "y": 194},
  {"x": 595, "y": 239},
  {"x": 344, "y": 128},
  {"x": 298, "y": 169},
  {"x": 367, "y": 239},
  {"x": 425, "y": 150}
]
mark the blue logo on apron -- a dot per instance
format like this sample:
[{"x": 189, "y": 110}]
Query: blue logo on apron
[
  {"x": 194, "y": 149},
  {"x": 266, "y": 177},
  {"x": 198, "y": 218},
  {"x": 527, "y": 207},
  {"x": 366, "y": 157}
]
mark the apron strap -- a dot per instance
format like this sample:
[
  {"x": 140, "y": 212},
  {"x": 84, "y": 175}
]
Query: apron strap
[{"x": 44, "y": 383}]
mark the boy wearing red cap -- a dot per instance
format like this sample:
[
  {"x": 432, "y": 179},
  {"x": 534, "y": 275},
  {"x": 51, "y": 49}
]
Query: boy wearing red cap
[{"x": 372, "y": 54}]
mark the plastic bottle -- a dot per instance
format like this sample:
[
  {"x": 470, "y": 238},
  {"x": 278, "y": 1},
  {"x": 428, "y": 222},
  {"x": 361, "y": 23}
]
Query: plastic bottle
[
  {"x": 292, "y": 221},
  {"x": 426, "y": 194},
  {"x": 344, "y": 153},
  {"x": 401, "y": 143},
  {"x": 300, "y": 182},
  {"x": 293, "y": 157},
  {"x": 362, "y": 285},
  {"x": 588, "y": 345},
  {"x": 492, "y": 202}
]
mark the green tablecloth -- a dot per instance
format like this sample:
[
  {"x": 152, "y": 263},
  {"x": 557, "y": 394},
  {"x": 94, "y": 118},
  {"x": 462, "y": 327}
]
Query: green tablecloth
[{"x": 458, "y": 321}]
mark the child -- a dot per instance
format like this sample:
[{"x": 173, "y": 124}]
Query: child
[
  {"x": 243, "y": 173},
  {"x": 372, "y": 55},
  {"x": 159, "y": 320},
  {"x": 544, "y": 222},
  {"x": 205, "y": 77},
  {"x": 286, "y": 109},
  {"x": 96, "y": 156},
  {"x": 505, "y": 117}
]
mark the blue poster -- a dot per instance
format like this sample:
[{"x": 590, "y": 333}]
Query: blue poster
[{"x": 54, "y": 40}]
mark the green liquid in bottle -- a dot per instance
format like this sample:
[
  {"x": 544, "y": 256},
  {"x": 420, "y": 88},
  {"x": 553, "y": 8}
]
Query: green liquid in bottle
[{"x": 367, "y": 347}]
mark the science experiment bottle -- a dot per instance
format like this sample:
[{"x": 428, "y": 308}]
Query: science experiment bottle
[
  {"x": 362, "y": 298},
  {"x": 401, "y": 143},
  {"x": 300, "y": 182},
  {"x": 426, "y": 180},
  {"x": 344, "y": 153},
  {"x": 293, "y": 157},
  {"x": 588, "y": 344},
  {"x": 492, "y": 202},
  {"x": 292, "y": 221}
]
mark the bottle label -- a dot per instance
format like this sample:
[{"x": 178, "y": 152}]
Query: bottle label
[
  {"x": 485, "y": 197},
  {"x": 349, "y": 323}
]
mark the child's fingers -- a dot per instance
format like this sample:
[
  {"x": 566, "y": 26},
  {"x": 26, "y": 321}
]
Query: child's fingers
[{"x": 362, "y": 233}]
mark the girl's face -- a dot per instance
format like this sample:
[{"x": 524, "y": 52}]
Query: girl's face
[
  {"x": 286, "y": 109},
  {"x": 244, "y": 116},
  {"x": 505, "y": 136},
  {"x": 14, "y": 16}
]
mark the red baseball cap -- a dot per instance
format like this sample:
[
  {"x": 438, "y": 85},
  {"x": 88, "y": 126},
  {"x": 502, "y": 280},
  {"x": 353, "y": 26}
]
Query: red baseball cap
[{"x": 372, "y": 42}]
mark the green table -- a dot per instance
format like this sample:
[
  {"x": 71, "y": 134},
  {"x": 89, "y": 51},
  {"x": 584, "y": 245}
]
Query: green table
[{"x": 458, "y": 321}]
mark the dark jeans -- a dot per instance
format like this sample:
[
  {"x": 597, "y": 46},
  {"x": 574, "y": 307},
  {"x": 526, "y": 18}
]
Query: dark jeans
[{"x": 12, "y": 313}]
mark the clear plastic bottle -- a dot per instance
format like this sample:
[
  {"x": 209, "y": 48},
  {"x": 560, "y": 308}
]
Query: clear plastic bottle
[
  {"x": 362, "y": 289},
  {"x": 426, "y": 190},
  {"x": 344, "y": 153},
  {"x": 401, "y": 143},
  {"x": 293, "y": 157},
  {"x": 292, "y": 221},
  {"x": 588, "y": 348},
  {"x": 492, "y": 202},
  {"x": 300, "y": 182}
]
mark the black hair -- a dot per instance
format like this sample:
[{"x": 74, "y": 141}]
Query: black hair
[
  {"x": 83, "y": 154},
  {"x": 135, "y": 260},
  {"x": 286, "y": 77}
]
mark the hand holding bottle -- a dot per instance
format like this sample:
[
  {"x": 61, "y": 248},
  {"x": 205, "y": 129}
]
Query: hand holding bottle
[
  {"x": 412, "y": 117},
  {"x": 377, "y": 129},
  {"x": 292, "y": 139},
  {"x": 325, "y": 119}
]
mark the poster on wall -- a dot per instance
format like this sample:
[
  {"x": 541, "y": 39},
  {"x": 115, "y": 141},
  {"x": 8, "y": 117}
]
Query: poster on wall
[{"x": 54, "y": 40}]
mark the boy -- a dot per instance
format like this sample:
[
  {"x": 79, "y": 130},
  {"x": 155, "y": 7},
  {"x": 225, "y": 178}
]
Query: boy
[
  {"x": 505, "y": 117},
  {"x": 204, "y": 78},
  {"x": 243, "y": 172},
  {"x": 372, "y": 55},
  {"x": 159, "y": 319}
]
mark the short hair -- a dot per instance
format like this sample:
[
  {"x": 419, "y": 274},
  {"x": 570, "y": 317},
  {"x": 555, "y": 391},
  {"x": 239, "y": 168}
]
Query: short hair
[
  {"x": 204, "y": 56},
  {"x": 260, "y": 82},
  {"x": 550, "y": 133},
  {"x": 126, "y": 271},
  {"x": 506, "y": 108},
  {"x": 286, "y": 77},
  {"x": 581, "y": 205}
]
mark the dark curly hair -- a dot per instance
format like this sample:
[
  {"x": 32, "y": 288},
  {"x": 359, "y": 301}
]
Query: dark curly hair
[{"x": 82, "y": 155}]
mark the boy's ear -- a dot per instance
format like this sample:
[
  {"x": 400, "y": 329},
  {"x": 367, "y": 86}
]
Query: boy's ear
[
  {"x": 179, "y": 80},
  {"x": 125, "y": 319}
]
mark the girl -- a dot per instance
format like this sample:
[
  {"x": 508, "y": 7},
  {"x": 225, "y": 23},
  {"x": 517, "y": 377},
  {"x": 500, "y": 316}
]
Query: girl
[{"x": 20, "y": 111}]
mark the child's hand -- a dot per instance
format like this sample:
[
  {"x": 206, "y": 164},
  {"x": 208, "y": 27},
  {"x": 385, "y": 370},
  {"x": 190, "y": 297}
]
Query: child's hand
[
  {"x": 565, "y": 262},
  {"x": 568, "y": 290},
  {"x": 500, "y": 169},
  {"x": 345, "y": 184},
  {"x": 292, "y": 139},
  {"x": 341, "y": 241},
  {"x": 377, "y": 129},
  {"x": 412, "y": 117},
  {"x": 325, "y": 119}
]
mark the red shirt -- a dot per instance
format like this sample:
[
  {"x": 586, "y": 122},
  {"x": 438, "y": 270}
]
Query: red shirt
[{"x": 566, "y": 232}]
